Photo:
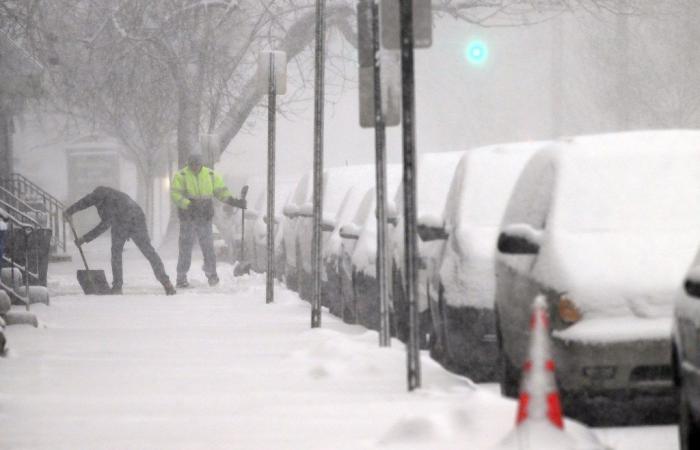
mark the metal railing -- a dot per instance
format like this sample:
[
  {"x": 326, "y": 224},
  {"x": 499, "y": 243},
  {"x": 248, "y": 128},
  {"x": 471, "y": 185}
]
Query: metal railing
[
  {"x": 25, "y": 250},
  {"x": 25, "y": 191}
]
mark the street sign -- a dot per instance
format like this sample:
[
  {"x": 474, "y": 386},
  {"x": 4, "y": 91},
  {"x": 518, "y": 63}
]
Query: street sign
[
  {"x": 391, "y": 92},
  {"x": 280, "y": 66},
  {"x": 422, "y": 24}
]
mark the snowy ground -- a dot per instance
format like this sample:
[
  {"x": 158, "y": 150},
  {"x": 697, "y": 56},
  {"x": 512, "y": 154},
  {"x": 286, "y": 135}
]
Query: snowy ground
[{"x": 218, "y": 368}]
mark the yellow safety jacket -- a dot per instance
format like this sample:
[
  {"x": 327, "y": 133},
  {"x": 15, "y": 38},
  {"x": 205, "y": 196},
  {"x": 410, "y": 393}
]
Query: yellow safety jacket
[{"x": 188, "y": 187}]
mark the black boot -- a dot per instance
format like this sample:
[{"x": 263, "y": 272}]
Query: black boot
[
  {"x": 182, "y": 282},
  {"x": 116, "y": 290},
  {"x": 168, "y": 286},
  {"x": 213, "y": 280}
]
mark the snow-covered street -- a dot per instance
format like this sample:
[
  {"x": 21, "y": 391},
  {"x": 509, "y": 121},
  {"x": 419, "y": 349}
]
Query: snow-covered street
[{"x": 218, "y": 368}]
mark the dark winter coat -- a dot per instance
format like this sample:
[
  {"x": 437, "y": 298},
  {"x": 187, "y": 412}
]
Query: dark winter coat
[{"x": 116, "y": 210}]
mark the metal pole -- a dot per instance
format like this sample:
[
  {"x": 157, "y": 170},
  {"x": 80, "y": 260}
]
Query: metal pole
[
  {"x": 271, "y": 104},
  {"x": 318, "y": 165},
  {"x": 380, "y": 170},
  {"x": 409, "y": 190}
]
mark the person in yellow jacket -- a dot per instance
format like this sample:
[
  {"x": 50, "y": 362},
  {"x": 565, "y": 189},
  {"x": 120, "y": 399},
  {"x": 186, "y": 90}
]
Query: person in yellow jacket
[{"x": 193, "y": 189}]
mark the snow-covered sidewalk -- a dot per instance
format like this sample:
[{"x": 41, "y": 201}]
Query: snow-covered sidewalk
[{"x": 218, "y": 368}]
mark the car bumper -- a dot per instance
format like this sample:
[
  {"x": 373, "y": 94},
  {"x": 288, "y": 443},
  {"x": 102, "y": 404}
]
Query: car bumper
[{"x": 614, "y": 368}]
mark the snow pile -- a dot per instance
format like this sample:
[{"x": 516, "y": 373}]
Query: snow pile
[{"x": 217, "y": 368}]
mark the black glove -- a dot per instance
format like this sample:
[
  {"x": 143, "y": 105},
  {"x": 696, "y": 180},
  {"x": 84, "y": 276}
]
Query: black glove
[{"x": 237, "y": 202}]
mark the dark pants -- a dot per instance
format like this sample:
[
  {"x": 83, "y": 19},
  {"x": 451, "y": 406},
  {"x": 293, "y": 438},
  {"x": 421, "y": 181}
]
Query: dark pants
[
  {"x": 202, "y": 230},
  {"x": 137, "y": 232}
]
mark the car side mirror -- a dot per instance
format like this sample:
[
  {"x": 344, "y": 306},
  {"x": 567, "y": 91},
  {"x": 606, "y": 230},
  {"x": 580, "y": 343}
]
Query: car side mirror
[
  {"x": 428, "y": 233},
  {"x": 692, "y": 282},
  {"x": 519, "y": 239},
  {"x": 349, "y": 231},
  {"x": 290, "y": 211},
  {"x": 306, "y": 210}
]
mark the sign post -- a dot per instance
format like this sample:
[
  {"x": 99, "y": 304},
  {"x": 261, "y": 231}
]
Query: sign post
[
  {"x": 318, "y": 164},
  {"x": 272, "y": 70},
  {"x": 409, "y": 191}
]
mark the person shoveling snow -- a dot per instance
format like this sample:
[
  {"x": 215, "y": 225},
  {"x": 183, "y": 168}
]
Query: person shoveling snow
[{"x": 127, "y": 220}]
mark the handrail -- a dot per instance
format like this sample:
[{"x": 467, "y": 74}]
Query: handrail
[
  {"x": 32, "y": 223},
  {"x": 17, "y": 185},
  {"x": 19, "y": 200},
  {"x": 35, "y": 187}
]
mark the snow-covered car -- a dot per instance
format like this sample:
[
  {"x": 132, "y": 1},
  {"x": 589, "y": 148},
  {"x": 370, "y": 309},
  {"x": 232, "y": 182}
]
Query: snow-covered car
[
  {"x": 283, "y": 188},
  {"x": 336, "y": 183},
  {"x": 257, "y": 190},
  {"x": 461, "y": 283},
  {"x": 333, "y": 251},
  {"x": 357, "y": 250},
  {"x": 288, "y": 247},
  {"x": 435, "y": 171},
  {"x": 685, "y": 354},
  {"x": 605, "y": 227}
]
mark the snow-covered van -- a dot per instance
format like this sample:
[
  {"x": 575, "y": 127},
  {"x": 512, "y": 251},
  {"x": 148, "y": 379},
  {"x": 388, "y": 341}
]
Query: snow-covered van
[
  {"x": 289, "y": 246},
  {"x": 283, "y": 188},
  {"x": 358, "y": 266},
  {"x": 337, "y": 181},
  {"x": 605, "y": 227},
  {"x": 461, "y": 282},
  {"x": 435, "y": 171},
  {"x": 337, "y": 253}
]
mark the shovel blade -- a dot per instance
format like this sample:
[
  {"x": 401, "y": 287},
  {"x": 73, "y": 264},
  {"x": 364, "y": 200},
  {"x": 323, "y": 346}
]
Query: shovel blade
[{"x": 93, "y": 282}]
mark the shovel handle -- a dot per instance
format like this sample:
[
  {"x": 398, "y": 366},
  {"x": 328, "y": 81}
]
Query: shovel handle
[
  {"x": 75, "y": 236},
  {"x": 244, "y": 192}
]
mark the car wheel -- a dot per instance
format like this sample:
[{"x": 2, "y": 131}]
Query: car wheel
[
  {"x": 688, "y": 428},
  {"x": 509, "y": 374}
]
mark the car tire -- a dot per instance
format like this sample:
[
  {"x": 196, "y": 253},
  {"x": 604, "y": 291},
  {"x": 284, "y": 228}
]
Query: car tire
[
  {"x": 509, "y": 374},
  {"x": 688, "y": 428}
]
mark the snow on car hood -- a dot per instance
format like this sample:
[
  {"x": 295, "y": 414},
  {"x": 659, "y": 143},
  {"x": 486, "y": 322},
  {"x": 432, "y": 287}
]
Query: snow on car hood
[{"x": 617, "y": 273}]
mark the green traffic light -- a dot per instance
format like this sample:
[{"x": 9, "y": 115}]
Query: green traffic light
[{"x": 477, "y": 53}]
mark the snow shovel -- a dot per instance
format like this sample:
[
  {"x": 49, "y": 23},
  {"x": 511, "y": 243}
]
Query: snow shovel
[
  {"x": 92, "y": 281},
  {"x": 243, "y": 267}
]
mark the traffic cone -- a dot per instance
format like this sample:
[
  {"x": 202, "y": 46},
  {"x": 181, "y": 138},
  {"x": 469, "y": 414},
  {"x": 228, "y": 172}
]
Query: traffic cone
[
  {"x": 539, "y": 397},
  {"x": 539, "y": 423}
]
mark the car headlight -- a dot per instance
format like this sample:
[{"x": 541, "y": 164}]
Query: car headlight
[{"x": 568, "y": 311}]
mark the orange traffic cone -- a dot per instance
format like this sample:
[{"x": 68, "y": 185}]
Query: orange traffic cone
[
  {"x": 539, "y": 422},
  {"x": 539, "y": 396}
]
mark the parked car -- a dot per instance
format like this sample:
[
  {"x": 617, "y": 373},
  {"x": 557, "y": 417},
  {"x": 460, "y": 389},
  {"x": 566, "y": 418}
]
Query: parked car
[
  {"x": 336, "y": 183},
  {"x": 289, "y": 247},
  {"x": 685, "y": 354},
  {"x": 605, "y": 228},
  {"x": 334, "y": 250},
  {"x": 460, "y": 281},
  {"x": 435, "y": 171},
  {"x": 356, "y": 249},
  {"x": 283, "y": 188}
]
